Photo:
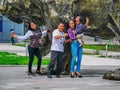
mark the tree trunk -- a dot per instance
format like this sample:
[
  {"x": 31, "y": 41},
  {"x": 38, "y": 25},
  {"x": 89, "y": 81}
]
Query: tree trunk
[{"x": 66, "y": 59}]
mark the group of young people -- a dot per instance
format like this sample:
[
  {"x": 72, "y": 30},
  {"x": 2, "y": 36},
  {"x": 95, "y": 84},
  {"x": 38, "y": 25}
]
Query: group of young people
[{"x": 75, "y": 34}]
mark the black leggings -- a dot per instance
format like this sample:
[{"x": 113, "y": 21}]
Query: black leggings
[{"x": 34, "y": 51}]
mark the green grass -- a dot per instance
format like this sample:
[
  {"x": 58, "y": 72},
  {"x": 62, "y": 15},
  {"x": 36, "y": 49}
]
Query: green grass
[
  {"x": 102, "y": 56},
  {"x": 87, "y": 53},
  {"x": 92, "y": 46},
  {"x": 103, "y": 47},
  {"x": 13, "y": 59},
  {"x": 22, "y": 44}
]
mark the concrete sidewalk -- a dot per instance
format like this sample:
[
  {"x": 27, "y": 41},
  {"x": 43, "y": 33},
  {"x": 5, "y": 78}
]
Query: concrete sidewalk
[
  {"x": 98, "y": 61},
  {"x": 16, "y": 78},
  {"x": 92, "y": 69},
  {"x": 7, "y": 47},
  {"x": 103, "y": 52}
]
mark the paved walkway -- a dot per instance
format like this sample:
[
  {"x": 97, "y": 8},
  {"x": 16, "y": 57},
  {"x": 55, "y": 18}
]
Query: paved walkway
[
  {"x": 7, "y": 47},
  {"x": 105, "y": 53},
  {"x": 16, "y": 78},
  {"x": 93, "y": 68}
]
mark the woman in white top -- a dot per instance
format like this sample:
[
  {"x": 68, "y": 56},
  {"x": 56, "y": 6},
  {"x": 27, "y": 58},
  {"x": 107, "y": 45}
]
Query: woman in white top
[{"x": 35, "y": 41}]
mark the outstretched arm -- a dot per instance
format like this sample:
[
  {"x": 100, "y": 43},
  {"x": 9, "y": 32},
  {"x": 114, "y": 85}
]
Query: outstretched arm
[
  {"x": 22, "y": 38},
  {"x": 60, "y": 36}
]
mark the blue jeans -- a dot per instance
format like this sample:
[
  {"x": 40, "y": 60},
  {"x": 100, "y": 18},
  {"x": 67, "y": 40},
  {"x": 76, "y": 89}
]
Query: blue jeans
[{"x": 76, "y": 55}]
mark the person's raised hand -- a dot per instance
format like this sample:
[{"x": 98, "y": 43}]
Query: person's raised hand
[{"x": 87, "y": 21}]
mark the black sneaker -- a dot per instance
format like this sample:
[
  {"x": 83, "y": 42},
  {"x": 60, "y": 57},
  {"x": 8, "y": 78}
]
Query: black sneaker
[
  {"x": 57, "y": 76},
  {"x": 31, "y": 74},
  {"x": 39, "y": 73},
  {"x": 49, "y": 76}
]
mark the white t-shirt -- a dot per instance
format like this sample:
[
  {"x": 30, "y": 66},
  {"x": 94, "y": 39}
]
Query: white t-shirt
[{"x": 57, "y": 44}]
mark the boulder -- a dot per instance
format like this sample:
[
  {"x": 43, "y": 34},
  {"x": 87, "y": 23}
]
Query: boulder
[{"x": 112, "y": 75}]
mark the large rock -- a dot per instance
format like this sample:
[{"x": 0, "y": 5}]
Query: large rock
[{"x": 112, "y": 75}]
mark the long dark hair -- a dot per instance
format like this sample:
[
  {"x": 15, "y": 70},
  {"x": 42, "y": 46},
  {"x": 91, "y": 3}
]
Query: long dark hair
[
  {"x": 74, "y": 23},
  {"x": 29, "y": 26}
]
